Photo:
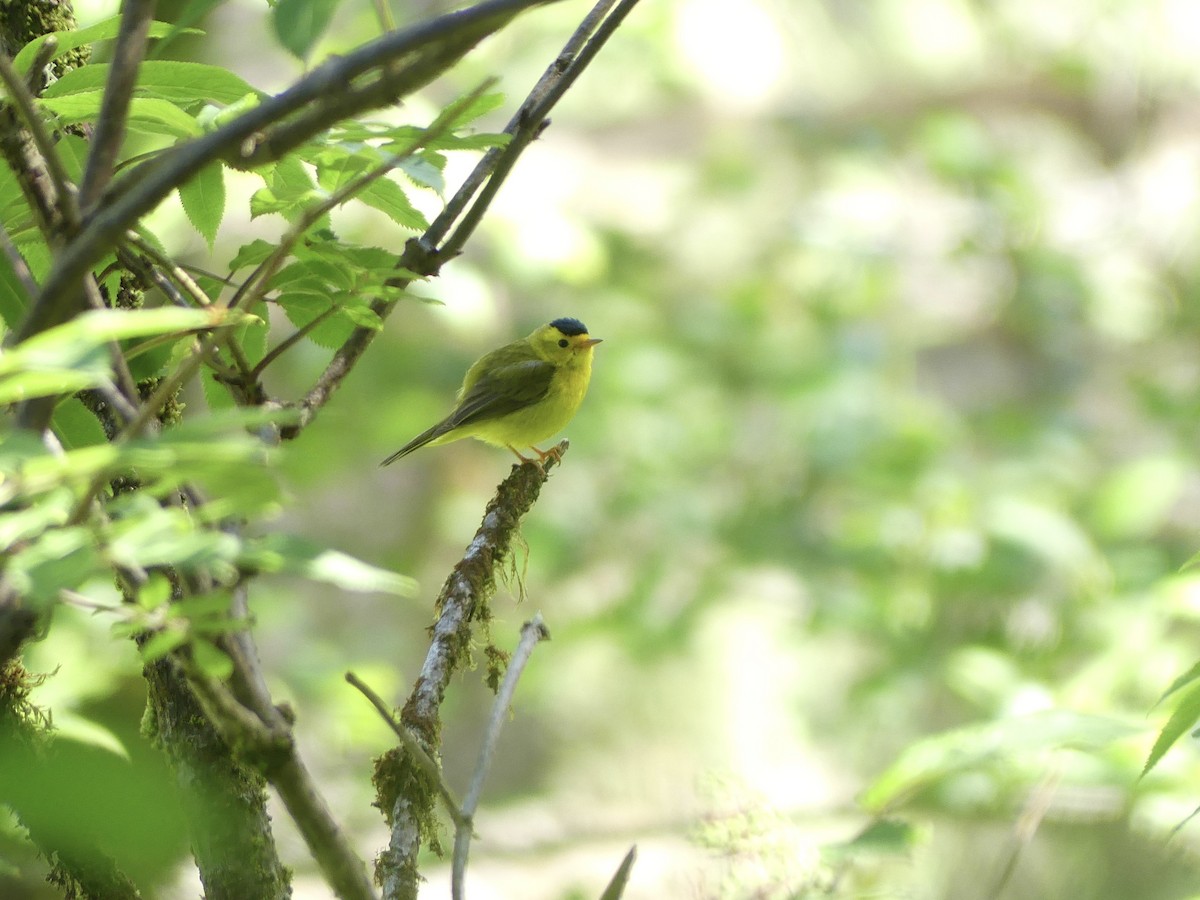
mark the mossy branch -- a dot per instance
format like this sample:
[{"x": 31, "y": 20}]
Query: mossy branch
[{"x": 403, "y": 790}]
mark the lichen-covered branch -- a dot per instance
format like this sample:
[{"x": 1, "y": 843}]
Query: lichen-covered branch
[{"x": 404, "y": 792}]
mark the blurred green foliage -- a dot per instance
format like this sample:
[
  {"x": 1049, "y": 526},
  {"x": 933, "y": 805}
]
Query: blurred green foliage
[{"x": 865, "y": 568}]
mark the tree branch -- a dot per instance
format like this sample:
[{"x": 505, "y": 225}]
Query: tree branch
[
  {"x": 109, "y": 133},
  {"x": 463, "y": 601}
]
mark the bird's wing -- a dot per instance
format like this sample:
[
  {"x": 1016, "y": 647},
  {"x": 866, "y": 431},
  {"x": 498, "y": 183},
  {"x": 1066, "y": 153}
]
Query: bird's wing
[{"x": 502, "y": 390}]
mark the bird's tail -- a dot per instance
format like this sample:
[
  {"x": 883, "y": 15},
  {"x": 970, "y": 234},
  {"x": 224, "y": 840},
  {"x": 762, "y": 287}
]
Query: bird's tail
[{"x": 419, "y": 441}]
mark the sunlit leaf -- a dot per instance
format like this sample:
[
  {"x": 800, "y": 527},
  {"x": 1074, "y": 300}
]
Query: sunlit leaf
[{"x": 203, "y": 199}]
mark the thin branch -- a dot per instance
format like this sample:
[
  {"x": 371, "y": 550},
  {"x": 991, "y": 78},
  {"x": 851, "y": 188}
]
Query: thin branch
[
  {"x": 526, "y": 124},
  {"x": 36, "y": 76},
  {"x": 17, "y": 261},
  {"x": 120, "y": 364},
  {"x": 109, "y": 133},
  {"x": 64, "y": 199},
  {"x": 266, "y": 738},
  {"x": 616, "y": 887},
  {"x": 532, "y": 632},
  {"x": 290, "y": 341},
  {"x": 426, "y": 762}
]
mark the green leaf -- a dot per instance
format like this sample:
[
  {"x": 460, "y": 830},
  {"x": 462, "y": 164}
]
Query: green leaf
[
  {"x": 1182, "y": 681},
  {"x": 51, "y": 510},
  {"x": 389, "y": 198},
  {"x": 60, "y": 559},
  {"x": 155, "y": 592},
  {"x": 362, "y": 316},
  {"x": 301, "y": 307},
  {"x": 163, "y": 642},
  {"x": 149, "y": 115},
  {"x": 299, "y": 24},
  {"x": 251, "y": 254},
  {"x": 178, "y": 82},
  {"x": 1187, "y": 713},
  {"x": 203, "y": 199},
  {"x": 69, "y": 40},
  {"x": 73, "y": 151},
  {"x": 934, "y": 759},
  {"x": 423, "y": 173},
  {"x": 71, "y": 357},
  {"x": 213, "y": 661},
  {"x": 168, "y": 536},
  {"x": 296, "y": 556},
  {"x": 14, "y": 300},
  {"x": 76, "y": 425}
]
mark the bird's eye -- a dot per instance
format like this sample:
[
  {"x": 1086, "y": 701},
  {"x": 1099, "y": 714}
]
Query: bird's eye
[{"x": 563, "y": 342}]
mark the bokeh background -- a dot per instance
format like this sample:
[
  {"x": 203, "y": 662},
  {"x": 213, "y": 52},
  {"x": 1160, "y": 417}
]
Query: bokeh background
[{"x": 866, "y": 567}]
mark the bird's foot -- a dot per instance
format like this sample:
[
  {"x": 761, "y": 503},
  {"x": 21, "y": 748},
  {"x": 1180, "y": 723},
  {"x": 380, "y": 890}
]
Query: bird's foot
[
  {"x": 525, "y": 459},
  {"x": 554, "y": 453}
]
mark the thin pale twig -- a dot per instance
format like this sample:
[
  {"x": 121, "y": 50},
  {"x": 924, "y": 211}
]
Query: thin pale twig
[
  {"x": 532, "y": 632},
  {"x": 414, "y": 748}
]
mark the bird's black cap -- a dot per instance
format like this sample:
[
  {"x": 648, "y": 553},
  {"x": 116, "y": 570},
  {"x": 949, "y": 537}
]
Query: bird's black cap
[{"x": 569, "y": 326}]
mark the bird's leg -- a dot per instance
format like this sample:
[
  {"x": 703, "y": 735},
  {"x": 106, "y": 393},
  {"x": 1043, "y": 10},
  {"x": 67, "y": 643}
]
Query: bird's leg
[
  {"x": 553, "y": 453},
  {"x": 525, "y": 459}
]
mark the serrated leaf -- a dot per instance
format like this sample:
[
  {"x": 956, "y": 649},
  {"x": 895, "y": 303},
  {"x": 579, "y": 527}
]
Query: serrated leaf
[
  {"x": 203, "y": 199},
  {"x": 362, "y": 316},
  {"x": 299, "y": 24},
  {"x": 76, "y": 425},
  {"x": 424, "y": 173},
  {"x": 1182, "y": 681},
  {"x": 389, "y": 198},
  {"x": 302, "y": 307},
  {"x": 251, "y": 254}
]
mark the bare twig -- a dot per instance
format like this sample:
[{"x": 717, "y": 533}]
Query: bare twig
[
  {"x": 128, "y": 52},
  {"x": 532, "y": 632},
  {"x": 616, "y": 887},
  {"x": 431, "y": 769},
  {"x": 530, "y": 120},
  {"x": 64, "y": 198},
  {"x": 1026, "y": 826}
]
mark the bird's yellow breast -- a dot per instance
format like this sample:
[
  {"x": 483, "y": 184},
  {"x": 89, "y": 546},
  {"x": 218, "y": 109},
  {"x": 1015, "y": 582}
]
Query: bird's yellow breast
[{"x": 549, "y": 415}]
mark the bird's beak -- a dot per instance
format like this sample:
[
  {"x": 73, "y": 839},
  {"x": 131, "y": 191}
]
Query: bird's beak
[{"x": 590, "y": 342}]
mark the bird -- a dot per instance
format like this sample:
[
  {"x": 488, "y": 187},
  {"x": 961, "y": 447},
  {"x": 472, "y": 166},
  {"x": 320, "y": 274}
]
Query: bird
[{"x": 519, "y": 394}]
